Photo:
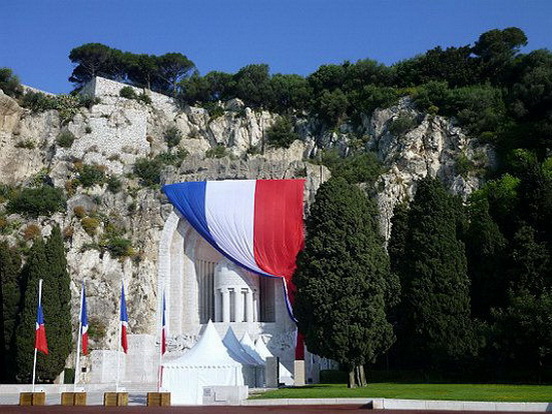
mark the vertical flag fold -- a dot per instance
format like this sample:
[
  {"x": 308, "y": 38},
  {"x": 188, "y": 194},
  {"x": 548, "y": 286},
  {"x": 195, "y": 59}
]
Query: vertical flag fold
[
  {"x": 124, "y": 321},
  {"x": 41, "y": 344},
  {"x": 84, "y": 323}
]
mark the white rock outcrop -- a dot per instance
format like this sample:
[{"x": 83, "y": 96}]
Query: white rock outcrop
[{"x": 117, "y": 131}]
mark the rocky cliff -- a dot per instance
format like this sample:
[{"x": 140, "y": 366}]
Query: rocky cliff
[{"x": 114, "y": 133}]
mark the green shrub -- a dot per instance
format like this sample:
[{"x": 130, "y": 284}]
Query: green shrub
[
  {"x": 281, "y": 134},
  {"x": 88, "y": 129},
  {"x": 172, "y": 137},
  {"x": 357, "y": 168},
  {"x": 97, "y": 328},
  {"x": 69, "y": 375},
  {"x": 9, "y": 83},
  {"x": 5, "y": 192},
  {"x": 90, "y": 225},
  {"x": 34, "y": 202},
  {"x": 148, "y": 170},
  {"x": 65, "y": 139},
  {"x": 38, "y": 101},
  {"x": 218, "y": 151},
  {"x": 402, "y": 125},
  {"x": 27, "y": 144},
  {"x": 128, "y": 92},
  {"x": 144, "y": 98},
  {"x": 114, "y": 184},
  {"x": 119, "y": 247},
  {"x": 172, "y": 158},
  {"x": 463, "y": 165},
  {"x": 90, "y": 175}
]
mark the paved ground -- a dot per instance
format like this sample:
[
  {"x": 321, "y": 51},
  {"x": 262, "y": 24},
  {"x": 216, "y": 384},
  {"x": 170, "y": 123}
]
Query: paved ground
[{"x": 290, "y": 409}]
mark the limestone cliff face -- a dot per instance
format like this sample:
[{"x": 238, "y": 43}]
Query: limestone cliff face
[{"x": 117, "y": 131}]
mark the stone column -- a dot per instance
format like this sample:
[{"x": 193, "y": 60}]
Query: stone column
[
  {"x": 298, "y": 373},
  {"x": 255, "y": 307},
  {"x": 225, "y": 305},
  {"x": 238, "y": 297},
  {"x": 249, "y": 306},
  {"x": 218, "y": 305}
]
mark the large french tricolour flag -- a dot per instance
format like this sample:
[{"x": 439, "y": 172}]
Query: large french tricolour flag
[{"x": 256, "y": 223}]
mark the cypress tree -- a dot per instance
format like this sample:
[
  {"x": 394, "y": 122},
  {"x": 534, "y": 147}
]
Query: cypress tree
[
  {"x": 47, "y": 262},
  {"x": 435, "y": 310},
  {"x": 342, "y": 280},
  {"x": 57, "y": 302},
  {"x": 33, "y": 270},
  {"x": 485, "y": 250},
  {"x": 10, "y": 264}
]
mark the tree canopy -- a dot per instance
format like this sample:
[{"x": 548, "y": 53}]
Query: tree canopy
[{"x": 343, "y": 279}]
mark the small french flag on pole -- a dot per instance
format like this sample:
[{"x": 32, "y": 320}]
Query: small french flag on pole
[
  {"x": 164, "y": 329},
  {"x": 84, "y": 323},
  {"x": 41, "y": 344},
  {"x": 124, "y": 320}
]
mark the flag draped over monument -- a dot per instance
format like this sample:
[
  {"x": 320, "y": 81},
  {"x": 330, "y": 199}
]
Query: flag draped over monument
[{"x": 258, "y": 224}]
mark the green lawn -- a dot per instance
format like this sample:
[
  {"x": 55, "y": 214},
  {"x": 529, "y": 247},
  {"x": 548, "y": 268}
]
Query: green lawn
[{"x": 464, "y": 392}]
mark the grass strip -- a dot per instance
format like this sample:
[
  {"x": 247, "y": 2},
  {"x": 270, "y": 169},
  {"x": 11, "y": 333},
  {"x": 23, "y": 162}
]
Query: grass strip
[{"x": 453, "y": 392}]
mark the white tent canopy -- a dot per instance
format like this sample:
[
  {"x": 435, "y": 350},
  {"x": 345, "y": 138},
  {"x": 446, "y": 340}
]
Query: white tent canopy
[
  {"x": 208, "y": 363},
  {"x": 249, "y": 347},
  {"x": 251, "y": 367},
  {"x": 264, "y": 353}
]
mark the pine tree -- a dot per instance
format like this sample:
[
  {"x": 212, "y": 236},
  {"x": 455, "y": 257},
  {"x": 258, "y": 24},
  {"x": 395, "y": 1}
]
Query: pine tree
[
  {"x": 342, "y": 280},
  {"x": 10, "y": 264},
  {"x": 435, "y": 309}
]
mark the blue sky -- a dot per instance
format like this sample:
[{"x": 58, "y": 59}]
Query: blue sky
[{"x": 291, "y": 36}]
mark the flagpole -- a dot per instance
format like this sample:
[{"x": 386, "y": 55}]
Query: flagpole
[
  {"x": 159, "y": 368},
  {"x": 119, "y": 341},
  {"x": 79, "y": 335},
  {"x": 35, "y": 350}
]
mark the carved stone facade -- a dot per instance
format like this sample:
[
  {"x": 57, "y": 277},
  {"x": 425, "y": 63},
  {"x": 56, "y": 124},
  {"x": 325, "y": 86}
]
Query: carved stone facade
[{"x": 200, "y": 284}]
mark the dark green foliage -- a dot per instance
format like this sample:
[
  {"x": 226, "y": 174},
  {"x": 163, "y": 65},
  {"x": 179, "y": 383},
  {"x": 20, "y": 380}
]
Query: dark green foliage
[
  {"x": 486, "y": 253},
  {"x": 119, "y": 247},
  {"x": 114, "y": 184},
  {"x": 57, "y": 305},
  {"x": 402, "y": 124},
  {"x": 342, "y": 278},
  {"x": 34, "y": 270},
  {"x": 355, "y": 169},
  {"x": 91, "y": 175},
  {"x": 523, "y": 334},
  {"x": 252, "y": 85},
  {"x": 496, "y": 50},
  {"x": 65, "y": 139},
  {"x": 10, "y": 263},
  {"x": 172, "y": 68},
  {"x": 218, "y": 151},
  {"x": 149, "y": 170},
  {"x": 281, "y": 134},
  {"x": 38, "y": 101},
  {"x": 333, "y": 106},
  {"x": 172, "y": 137},
  {"x": 95, "y": 59},
  {"x": 435, "y": 325},
  {"x": 9, "y": 83},
  {"x": 128, "y": 92},
  {"x": 34, "y": 202},
  {"x": 45, "y": 262}
]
